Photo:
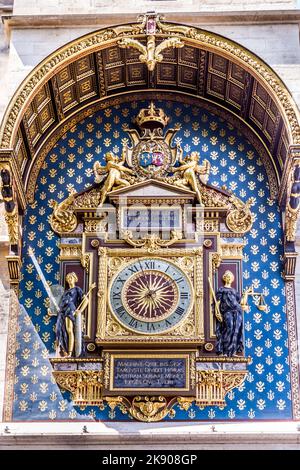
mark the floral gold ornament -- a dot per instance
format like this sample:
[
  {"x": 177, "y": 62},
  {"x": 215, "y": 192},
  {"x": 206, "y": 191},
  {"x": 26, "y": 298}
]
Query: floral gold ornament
[
  {"x": 12, "y": 220},
  {"x": 149, "y": 409},
  {"x": 185, "y": 402}
]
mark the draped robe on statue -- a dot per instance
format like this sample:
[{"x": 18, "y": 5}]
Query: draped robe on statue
[
  {"x": 229, "y": 332},
  {"x": 70, "y": 300}
]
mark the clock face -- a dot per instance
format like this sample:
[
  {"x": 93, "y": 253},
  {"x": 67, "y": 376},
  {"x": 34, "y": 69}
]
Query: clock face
[{"x": 150, "y": 295}]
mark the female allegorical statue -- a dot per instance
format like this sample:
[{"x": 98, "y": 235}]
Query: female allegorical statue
[
  {"x": 65, "y": 326},
  {"x": 229, "y": 328}
]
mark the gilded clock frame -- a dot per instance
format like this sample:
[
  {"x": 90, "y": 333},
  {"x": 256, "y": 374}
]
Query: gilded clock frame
[
  {"x": 150, "y": 256},
  {"x": 190, "y": 330}
]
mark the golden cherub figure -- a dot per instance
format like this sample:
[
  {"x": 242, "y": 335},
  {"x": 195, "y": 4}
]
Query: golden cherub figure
[
  {"x": 189, "y": 167},
  {"x": 114, "y": 168}
]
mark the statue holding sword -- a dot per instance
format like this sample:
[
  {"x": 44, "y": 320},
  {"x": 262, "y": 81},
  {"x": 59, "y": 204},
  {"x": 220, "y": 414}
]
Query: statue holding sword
[{"x": 68, "y": 325}]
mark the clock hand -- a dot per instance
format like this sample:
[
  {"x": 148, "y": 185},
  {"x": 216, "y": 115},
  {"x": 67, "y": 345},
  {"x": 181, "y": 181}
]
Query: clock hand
[{"x": 144, "y": 275}]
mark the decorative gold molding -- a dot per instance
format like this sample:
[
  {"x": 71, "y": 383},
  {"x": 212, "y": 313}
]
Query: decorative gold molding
[
  {"x": 68, "y": 250},
  {"x": 14, "y": 268},
  {"x": 232, "y": 250},
  {"x": 149, "y": 409},
  {"x": 151, "y": 242},
  {"x": 9, "y": 382},
  {"x": 12, "y": 220},
  {"x": 293, "y": 346}
]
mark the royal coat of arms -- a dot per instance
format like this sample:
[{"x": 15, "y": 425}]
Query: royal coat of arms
[{"x": 151, "y": 154}]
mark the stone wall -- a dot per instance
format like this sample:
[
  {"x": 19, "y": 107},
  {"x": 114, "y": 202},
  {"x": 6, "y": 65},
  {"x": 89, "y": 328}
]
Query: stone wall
[{"x": 48, "y": 7}]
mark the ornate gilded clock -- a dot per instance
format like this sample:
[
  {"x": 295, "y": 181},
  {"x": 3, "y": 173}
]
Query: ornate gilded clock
[{"x": 150, "y": 295}]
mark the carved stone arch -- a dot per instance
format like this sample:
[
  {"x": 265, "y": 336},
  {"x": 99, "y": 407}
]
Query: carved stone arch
[{"x": 210, "y": 67}]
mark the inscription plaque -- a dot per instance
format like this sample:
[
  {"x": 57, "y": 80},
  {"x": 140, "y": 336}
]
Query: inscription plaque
[{"x": 150, "y": 373}]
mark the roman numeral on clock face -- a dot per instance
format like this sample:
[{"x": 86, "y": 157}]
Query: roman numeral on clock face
[
  {"x": 184, "y": 295},
  {"x": 120, "y": 311},
  {"x": 133, "y": 323},
  {"x": 150, "y": 264},
  {"x": 150, "y": 327},
  {"x": 133, "y": 269},
  {"x": 179, "y": 311}
]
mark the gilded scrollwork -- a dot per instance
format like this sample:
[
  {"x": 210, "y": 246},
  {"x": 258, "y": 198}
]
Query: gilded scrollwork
[
  {"x": 63, "y": 219},
  {"x": 70, "y": 251},
  {"x": 185, "y": 402},
  {"x": 114, "y": 402},
  {"x": 87, "y": 200},
  {"x": 234, "y": 250},
  {"x": 144, "y": 408},
  {"x": 239, "y": 219}
]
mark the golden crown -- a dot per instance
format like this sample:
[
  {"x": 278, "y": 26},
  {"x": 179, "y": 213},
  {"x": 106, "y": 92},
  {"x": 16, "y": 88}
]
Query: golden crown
[{"x": 152, "y": 117}]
